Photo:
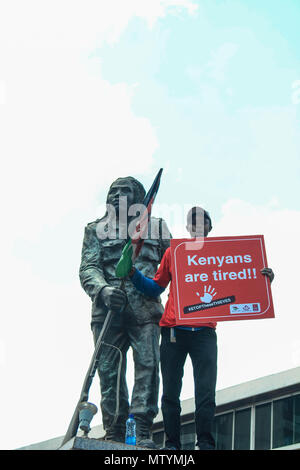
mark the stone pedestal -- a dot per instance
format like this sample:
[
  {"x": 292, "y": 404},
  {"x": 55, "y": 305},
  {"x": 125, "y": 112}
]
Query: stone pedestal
[{"x": 86, "y": 443}]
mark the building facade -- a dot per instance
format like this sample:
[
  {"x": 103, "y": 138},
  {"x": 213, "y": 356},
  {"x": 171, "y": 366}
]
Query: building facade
[{"x": 262, "y": 414}]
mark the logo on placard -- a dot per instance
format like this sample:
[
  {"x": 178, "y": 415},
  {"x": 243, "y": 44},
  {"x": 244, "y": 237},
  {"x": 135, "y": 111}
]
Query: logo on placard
[
  {"x": 208, "y": 294},
  {"x": 245, "y": 308},
  {"x": 208, "y": 301}
]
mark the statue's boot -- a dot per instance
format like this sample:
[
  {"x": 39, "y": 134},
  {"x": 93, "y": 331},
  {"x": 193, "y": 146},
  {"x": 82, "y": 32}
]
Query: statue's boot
[
  {"x": 143, "y": 434},
  {"x": 115, "y": 433}
]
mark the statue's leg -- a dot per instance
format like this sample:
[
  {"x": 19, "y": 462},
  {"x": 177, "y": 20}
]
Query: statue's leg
[
  {"x": 144, "y": 404},
  {"x": 112, "y": 373}
]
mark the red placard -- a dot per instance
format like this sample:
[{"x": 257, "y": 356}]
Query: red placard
[{"x": 219, "y": 279}]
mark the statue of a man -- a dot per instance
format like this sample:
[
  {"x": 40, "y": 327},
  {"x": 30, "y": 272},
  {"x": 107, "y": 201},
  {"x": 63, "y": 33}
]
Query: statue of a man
[{"x": 135, "y": 318}]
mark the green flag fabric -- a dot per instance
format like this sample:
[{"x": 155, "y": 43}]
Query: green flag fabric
[{"x": 125, "y": 263}]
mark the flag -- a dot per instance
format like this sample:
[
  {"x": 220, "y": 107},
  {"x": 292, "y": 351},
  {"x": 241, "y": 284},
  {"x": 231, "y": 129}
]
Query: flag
[{"x": 134, "y": 245}]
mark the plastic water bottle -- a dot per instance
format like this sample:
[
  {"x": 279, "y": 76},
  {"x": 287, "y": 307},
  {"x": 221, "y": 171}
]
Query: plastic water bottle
[{"x": 130, "y": 431}]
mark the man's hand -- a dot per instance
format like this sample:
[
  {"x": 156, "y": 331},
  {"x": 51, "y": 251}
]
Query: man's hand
[
  {"x": 132, "y": 271},
  {"x": 113, "y": 298},
  {"x": 268, "y": 272}
]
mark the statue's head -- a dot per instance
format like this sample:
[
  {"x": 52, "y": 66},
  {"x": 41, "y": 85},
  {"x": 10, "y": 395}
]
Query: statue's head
[{"x": 128, "y": 187}]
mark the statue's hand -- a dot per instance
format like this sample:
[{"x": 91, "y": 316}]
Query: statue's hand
[{"x": 113, "y": 298}]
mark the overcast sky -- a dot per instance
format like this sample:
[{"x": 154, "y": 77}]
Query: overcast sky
[{"x": 89, "y": 91}]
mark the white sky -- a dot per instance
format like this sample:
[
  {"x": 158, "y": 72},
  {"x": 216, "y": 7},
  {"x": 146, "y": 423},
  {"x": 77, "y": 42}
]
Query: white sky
[{"x": 66, "y": 133}]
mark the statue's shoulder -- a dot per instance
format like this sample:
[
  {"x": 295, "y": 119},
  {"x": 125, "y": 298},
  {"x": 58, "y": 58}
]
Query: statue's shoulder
[
  {"x": 90, "y": 226},
  {"x": 159, "y": 229},
  {"x": 94, "y": 222},
  {"x": 156, "y": 220},
  {"x": 155, "y": 223}
]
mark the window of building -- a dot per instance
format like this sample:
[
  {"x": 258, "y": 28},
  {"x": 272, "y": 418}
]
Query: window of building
[
  {"x": 158, "y": 438},
  {"x": 286, "y": 421},
  {"x": 263, "y": 427},
  {"x": 283, "y": 422},
  {"x": 296, "y": 419},
  {"x": 223, "y": 426},
  {"x": 242, "y": 427},
  {"x": 187, "y": 436},
  {"x": 275, "y": 424}
]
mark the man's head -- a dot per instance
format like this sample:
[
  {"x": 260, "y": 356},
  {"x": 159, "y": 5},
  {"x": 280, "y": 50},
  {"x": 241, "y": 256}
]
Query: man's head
[
  {"x": 198, "y": 222},
  {"x": 127, "y": 187}
]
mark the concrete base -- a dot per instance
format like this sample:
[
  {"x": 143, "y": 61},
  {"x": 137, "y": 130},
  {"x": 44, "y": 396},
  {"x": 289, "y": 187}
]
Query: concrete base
[{"x": 86, "y": 443}]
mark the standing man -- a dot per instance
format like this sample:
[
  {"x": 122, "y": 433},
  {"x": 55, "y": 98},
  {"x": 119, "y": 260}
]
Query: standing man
[
  {"x": 199, "y": 341},
  {"x": 135, "y": 318}
]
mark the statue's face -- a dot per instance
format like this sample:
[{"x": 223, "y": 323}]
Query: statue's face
[{"x": 119, "y": 190}]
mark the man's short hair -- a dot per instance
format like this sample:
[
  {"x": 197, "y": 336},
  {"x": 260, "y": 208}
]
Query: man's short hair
[{"x": 195, "y": 212}]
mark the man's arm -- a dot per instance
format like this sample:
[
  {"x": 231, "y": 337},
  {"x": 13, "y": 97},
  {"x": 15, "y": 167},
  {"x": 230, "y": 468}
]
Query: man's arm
[
  {"x": 153, "y": 287},
  {"x": 144, "y": 284}
]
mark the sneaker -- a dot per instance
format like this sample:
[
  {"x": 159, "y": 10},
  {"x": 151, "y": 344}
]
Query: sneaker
[
  {"x": 204, "y": 447},
  {"x": 148, "y": 443}
]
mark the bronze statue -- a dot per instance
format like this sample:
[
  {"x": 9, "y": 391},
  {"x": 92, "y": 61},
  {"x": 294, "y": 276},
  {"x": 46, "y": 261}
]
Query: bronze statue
[{"x": 135, "y": 320}]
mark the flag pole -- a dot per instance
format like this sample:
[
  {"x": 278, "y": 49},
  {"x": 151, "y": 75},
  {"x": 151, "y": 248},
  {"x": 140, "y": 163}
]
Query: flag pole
[{"x": 74, "y": 423}]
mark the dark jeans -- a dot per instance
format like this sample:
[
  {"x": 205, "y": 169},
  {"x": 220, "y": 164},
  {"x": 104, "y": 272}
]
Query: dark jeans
[{"x": 202, "y": 347}]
